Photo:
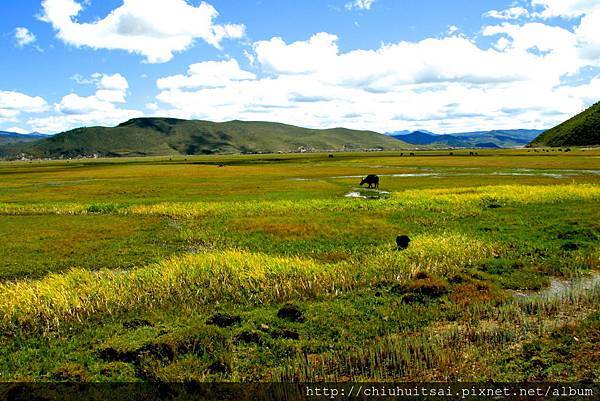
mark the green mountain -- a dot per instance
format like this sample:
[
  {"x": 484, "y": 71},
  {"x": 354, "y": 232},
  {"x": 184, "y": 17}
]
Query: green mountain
[
  {"x": 168, "y": 136},
  {"x": 581, "y": 130}
]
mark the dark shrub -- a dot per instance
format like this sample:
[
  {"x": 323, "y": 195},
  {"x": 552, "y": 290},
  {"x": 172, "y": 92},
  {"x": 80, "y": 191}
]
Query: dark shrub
[
  {"x": 71, "y": 372},
  {"x": 135, "y": 323},
  {"x": 224, "y": 320},
  {"x": 249, "y": 336},
  {"x": 291, "y": 313}
]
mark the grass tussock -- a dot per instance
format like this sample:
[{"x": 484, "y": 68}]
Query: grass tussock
[
  {"x": 447, "y": 350},
  {"x": 231, "y": 275}
]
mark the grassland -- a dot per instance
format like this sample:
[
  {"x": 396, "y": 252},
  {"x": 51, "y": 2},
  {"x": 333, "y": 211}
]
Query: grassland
[{"x": 176, "y": 269}]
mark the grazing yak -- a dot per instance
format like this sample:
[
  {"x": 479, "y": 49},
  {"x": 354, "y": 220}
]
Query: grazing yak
[
  {"x": 372, "y": 180},
  {"x": 402, "y": 242}
]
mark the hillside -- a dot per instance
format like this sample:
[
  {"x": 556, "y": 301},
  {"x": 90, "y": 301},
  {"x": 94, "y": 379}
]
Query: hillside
[
  {"x": 167, "y": 136},
  {"x": 479, "y": 139},
  {"x": 581, "y": 130}
]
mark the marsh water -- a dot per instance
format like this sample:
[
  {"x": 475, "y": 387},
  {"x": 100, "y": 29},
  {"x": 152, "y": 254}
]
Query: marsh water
[
  {"x": 560, "y": 288},
  {"x": 467, "y": 171}
]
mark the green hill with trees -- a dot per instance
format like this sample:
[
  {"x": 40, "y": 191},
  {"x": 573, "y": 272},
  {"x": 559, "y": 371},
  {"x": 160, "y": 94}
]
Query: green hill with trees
[
  {"x": 168, "y": 136},
  {"x": 581, "y": 130}
]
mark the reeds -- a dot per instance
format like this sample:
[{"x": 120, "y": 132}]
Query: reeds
[
  {"x": 230, "y": 275},
  {"x": 440, "y": 351}
]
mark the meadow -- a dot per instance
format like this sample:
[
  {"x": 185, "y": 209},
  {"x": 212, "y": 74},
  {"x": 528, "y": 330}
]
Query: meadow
[{"x": 280, "y": 268}]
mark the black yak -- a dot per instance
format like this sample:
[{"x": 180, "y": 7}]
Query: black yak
[
  {"x": 372, "y": 180},
  {"x": 402, "y": 242}
]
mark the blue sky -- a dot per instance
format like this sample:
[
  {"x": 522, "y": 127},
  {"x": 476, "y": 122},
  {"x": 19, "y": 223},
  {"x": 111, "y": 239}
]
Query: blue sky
[{"x": 371, "y": 64}]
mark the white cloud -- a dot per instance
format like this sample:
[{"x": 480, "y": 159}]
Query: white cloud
[
  {"x": 208, "y": 74},
  {"x": 24, "y": 37},
  {"x": 101, "y": 108},
  {"x": 12, "y": 104},
  {"x": 112, "y": 82},
  {"x": 63, "y": 122},
  {"x": 508, "y": 14},
  {"x": 449, "y": 59},
  {"x": 565, "y": 8},
  {"x": 453, "y": 29},
  {"x": 359, "y": 5},
  {"x": 586, "y": 33},
  {"x": 297, "y": 58},
  {"x": 16, "y": 130},
  {"x": 445, "y": 84},
  {"x": 155, "y": 29}
]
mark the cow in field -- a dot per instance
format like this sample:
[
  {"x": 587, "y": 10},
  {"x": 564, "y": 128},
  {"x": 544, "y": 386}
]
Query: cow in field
[{"x": 372, "y": 180}]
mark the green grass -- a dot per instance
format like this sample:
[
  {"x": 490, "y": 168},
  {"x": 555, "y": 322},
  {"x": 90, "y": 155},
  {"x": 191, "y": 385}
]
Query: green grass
[
  {"x": 41, "y": 244},
  {"x": 113, "y": 270}
]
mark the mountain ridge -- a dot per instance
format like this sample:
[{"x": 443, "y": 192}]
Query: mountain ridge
[
  {"x": 156, "y": 136},
  {"x": 7, "y": 137},
  {"x": 475, "y": 139}
]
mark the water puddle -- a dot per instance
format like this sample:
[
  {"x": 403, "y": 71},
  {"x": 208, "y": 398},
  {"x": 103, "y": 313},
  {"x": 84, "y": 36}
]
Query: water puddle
[
  {"x": 367, "y": 194},
  {"x": 560, "y": 288}
]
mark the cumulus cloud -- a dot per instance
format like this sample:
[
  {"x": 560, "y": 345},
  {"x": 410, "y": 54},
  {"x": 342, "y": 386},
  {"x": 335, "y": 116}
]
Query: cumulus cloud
[
  {"x": 12, "y": 104},
  {"x": 299, "y": 57},
  {"x": 155, "y": 29},
  {"x": 24, "y": 37},
  {"x": 445, "y": 84},
  {"x": 101, "y": 108},
  {"x": 586, "y": 33},
  {"x": 208, "y": 74},
  {"x": 359, "y": 5}
]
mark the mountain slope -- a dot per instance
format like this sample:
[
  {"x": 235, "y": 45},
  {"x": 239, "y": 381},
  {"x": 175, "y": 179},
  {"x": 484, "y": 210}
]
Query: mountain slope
[
  {"x": 480, "y": 139},
  {"x": 168, "y": 136},
  {"x": 581, "y": 130},
  {"x": 518, "y": 134}
]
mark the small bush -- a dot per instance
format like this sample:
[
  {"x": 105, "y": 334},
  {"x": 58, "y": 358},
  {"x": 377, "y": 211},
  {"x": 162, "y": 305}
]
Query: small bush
[
  {"x": 71, "y": 372},
  {"x": 118, "y": 372},
  {"x": 102, "y": 208},
  {"x": 291, "y": 313},
  {"x": 429, "y": 287},
  {"x": 224, "y": 320}
]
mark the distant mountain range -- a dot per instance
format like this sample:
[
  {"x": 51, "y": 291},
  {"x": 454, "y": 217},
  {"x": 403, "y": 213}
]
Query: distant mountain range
[
  {"x": 169, "y": 136},
  {"x": 13, "y": 137},
  {"x": 477, "y": 139},
  {"x": 581, "y": 130}
]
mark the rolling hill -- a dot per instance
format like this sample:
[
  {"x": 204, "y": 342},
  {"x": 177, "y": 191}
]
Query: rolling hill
[
  {"x": 581, "y": 130},
  {"x": 168, "y": 136},
  {"x": 479, "y": 139}
]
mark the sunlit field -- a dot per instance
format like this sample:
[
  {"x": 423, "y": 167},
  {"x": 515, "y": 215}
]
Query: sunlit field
[{"x": 281, "y": 268}]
